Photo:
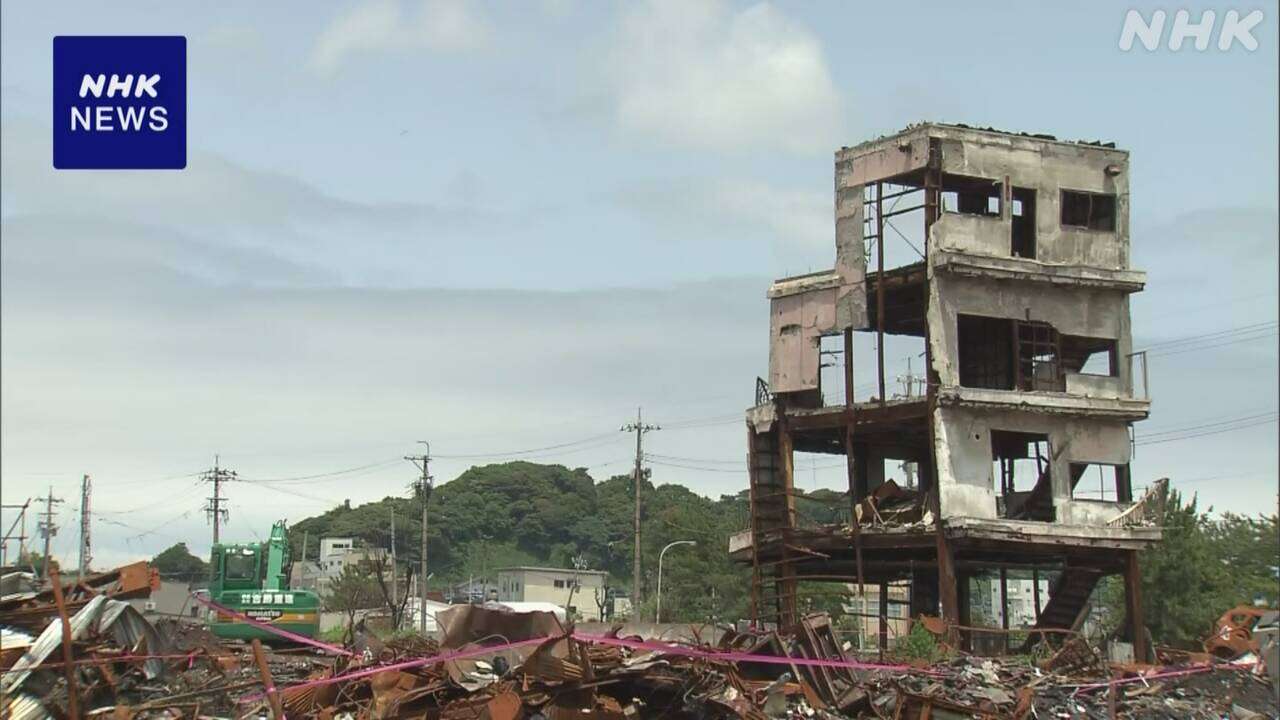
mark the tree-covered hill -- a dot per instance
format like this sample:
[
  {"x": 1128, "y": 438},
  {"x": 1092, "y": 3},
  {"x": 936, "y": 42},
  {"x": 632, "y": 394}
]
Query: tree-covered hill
[{"x": 527, "y": 513}]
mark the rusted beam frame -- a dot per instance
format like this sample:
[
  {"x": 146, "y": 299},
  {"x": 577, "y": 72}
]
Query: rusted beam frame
[
  {"x": 1133, "y": 606},
  {"x": 848, "y": 369},
  {"x": 68, "y": 653},
  {"x": 855, "y": 499},
  {"x": 269, "y": 686},
  {"x": 880, "y": 293},
  {"x": 900, "y": 193},
  {"x": 756, "y": 538},
  {"x": 904, "y": 211},
  {"x": 786, "y": 582},
  {"x": 1035, "y": 592},
  {"x": 882, "y": 642},
  {"x": 1004, "y": 604},
  {"x": 850, "y": 417}
]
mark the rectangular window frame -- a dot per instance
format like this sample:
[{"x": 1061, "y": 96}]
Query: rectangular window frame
[{"x": 1089, "y": 212}]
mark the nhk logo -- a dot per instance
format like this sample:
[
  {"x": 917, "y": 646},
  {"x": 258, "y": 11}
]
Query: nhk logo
[{"x": 119, "y": 102}]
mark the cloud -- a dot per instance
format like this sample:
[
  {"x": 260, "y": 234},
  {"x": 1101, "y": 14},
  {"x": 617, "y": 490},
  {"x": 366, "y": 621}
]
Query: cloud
[
  {"x": 234, "y": 224},
  {"x": 796, "y": 223},
  {"x": 394, "y": 25},
  {"x": 701, "y": 74}
]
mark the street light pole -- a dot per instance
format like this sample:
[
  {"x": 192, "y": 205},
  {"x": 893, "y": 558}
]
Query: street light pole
[{"x": 658, "y": 614}]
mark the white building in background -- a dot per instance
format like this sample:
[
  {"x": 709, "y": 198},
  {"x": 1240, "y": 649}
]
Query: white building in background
[
  {"x": 576, "y": 591},
  {"x": 336, "y": 553},
  {"x": 1022, "y": 604}
]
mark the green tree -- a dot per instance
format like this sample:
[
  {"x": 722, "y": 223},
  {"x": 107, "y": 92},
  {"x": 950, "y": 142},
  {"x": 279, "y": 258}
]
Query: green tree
[
  {"x": 1184, "y": 580},
  {"x": 177, "y": 562},
  {"x": 523, "y": 513},
  {"x": 354, "y": 589},
  {"x": 1250, "y": 548}
]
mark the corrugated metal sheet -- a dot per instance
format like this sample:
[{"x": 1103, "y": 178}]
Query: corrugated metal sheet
[
  {"x": 125, "y": 623},
  {"x": 24, "y": 707}
]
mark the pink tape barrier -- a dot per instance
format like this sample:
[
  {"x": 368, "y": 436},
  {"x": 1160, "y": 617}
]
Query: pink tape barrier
[
  {"x": 273, "y": 629},
  {"x": 734, "y": 656},
  {"x": 1161, "y": 674},
  {"x": 604, "y": 640}
]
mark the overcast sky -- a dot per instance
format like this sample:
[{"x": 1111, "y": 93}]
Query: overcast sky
[{"x": 503, "y": 227}]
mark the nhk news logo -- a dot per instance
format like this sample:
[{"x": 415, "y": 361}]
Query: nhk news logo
[{"x": 120, "y": 102}]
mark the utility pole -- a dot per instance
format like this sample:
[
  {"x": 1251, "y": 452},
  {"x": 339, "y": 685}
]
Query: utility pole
[
  {"x": 395, "y": 591},
  {"x": 215, "y": 509},
  {"x": 639, "y": 428},
  {"x": 47, "y": 529},
  {"x": 422, "y": 489},
  {"x": 21, "y": 537},
  {"x": 85, "y": 556}
]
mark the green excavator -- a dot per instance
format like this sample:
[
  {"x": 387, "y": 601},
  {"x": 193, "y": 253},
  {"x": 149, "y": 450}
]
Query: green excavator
[{"x": 253, "y": 580}]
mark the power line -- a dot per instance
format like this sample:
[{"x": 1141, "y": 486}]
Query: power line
[
  {"x": 1201, "y": 426},
  {"x": 1195, "y": 348},
  {"x": 708, "y": 461},
  {"x": 529, "y": 451},
  {"x": 1204, "y": 433},
  {"x": 693, "y": 467},
  {"x": 303, "y": 478},
  {"x": 1243, "y": 329}
]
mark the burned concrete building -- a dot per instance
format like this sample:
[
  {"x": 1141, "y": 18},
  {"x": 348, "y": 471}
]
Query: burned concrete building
[{"x": 1017, "y": 288}]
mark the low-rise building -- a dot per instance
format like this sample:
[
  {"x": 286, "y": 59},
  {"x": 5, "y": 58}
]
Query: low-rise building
[
  {"x": 580, "y": 592},
  {"x": 336, "y": 553},
  {"x": 172, "y": 598}
]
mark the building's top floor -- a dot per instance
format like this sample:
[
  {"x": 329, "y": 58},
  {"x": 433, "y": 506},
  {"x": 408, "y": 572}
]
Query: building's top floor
[
  {"x": 960, "y": 130},
  {"x": 335, "y": 545},
  {"x": 999, "y": 194}
]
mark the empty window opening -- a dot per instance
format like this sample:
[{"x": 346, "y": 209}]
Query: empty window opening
[
  {"x": 831, "y": 362},
  {"x": 1100, "y": 481},
  {"x": 971, "y": 195},
  {"x": 1020, "y": 471},
  {"x": 986, "y": 360},
  {"x": 999, "y": 354},
  {"x": 1023, "y": 212},
  {"x": 1039, "y": 348},
  {"x": 1094, "y": 211},
  {"x": 1090, "y": 356}
]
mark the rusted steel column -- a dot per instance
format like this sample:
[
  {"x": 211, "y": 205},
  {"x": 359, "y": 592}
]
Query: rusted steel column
[
  {"x": 68, "y": 653},
  {"x": 855, "y": 498},
  {"x": 1035, "y": 591},
  {"x": 1004, "y": 605},
  {"x": 948, "y": 593},
  {"x": 1133, "y": 606},
  {"x": 883, "y": 641},
  {"x": 273, "y": 695},
  {"x": 880, "y": 289},
  {"x": 787, "y": 613},
  {"x": 848, "y": 368}
]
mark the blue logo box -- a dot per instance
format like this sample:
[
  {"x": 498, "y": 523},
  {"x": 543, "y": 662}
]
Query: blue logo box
[{"x": 119, "y": 102}]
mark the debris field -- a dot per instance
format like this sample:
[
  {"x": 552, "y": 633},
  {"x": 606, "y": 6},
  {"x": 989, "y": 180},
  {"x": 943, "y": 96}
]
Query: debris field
[{"x": 79, "y": 650}]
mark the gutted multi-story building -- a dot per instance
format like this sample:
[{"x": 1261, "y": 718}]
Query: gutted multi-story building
[{"x": 1006, "y": 258}]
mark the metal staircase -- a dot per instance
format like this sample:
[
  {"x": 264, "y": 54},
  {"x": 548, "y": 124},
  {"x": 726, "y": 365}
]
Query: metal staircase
[{"x": 773, "y": 586}]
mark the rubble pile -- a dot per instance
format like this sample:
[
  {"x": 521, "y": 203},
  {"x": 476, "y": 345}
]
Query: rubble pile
[{"x": 106, "y": 660}]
